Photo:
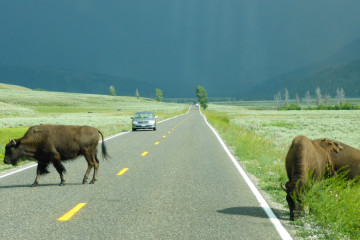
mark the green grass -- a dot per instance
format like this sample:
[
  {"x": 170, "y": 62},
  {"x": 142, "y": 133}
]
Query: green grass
[
  {"x": 279, "y": 124},
  {"x": 5, "y": 135},
  {"x": 271, "y": 105},
  {"x": 9, "y": 133},
  {"x": 335, "y": 208},
  {"x": 260, "y": 140},
  {"x": 257, "y": 154},
  {"x": 20, "y": 109}
]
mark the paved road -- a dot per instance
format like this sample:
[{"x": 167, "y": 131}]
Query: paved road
[{"x": 179, "y": 184}]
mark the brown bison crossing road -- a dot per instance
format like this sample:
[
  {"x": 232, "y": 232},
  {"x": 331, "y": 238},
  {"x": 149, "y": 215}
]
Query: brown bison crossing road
[{"x": 184, "y": 187}]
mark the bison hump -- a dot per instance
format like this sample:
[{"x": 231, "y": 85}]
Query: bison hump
[{"x": 330, "y": 145}]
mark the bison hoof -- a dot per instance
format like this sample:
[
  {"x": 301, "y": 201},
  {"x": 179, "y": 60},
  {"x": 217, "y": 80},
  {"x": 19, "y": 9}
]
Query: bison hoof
[
  {"x": 34, "y": 184},
  {"x": 84, "y": 182},
  {"x": 62, "y": 184},
  {"x": 92, "y": 181}
]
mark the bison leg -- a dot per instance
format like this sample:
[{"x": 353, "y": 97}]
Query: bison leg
[
  {"x": 56, "y": 161},
  {"x": 96, "y": 170},
  {"x": 41, "y": 169},
  {"x": 87, "y": 173},
  {"x": 92, "y": 162},
  {"x": 60, "y": 169}
]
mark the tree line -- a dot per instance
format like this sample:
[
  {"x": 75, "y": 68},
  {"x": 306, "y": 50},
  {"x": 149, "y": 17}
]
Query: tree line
[
  {"x": 200, "y": 94},
  {"x": 282, "y": 101},
  {"x": 158, "y": 93}
]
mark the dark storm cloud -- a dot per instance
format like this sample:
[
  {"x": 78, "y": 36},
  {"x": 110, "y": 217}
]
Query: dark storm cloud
[{"x": 224, "y": 45}]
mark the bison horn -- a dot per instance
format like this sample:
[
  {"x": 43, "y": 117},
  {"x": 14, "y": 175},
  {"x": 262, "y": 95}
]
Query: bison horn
[
  {"x": 13, "y": 141},
  {"x": 282, "y": 186}
]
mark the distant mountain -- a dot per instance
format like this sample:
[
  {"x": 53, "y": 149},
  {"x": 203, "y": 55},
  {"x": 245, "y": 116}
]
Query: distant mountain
[
  {"x": 348, "y": 53},
  {"x": 62, "y": 80},
  {"x": 341, "y": 70}
]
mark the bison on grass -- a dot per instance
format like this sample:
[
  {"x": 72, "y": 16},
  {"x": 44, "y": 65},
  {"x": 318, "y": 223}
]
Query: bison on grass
[
  {"x": 54, "y": 144},
  {"x": 316, "y": 159}
]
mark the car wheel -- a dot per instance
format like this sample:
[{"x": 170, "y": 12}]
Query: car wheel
[
  {"x": 154, "y": 128},
  {"x": 134, "y": 129}
]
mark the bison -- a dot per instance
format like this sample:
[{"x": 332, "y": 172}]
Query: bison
[
  {"x": 342, "y": 156},
  {"x": 57, "y": 143},
  {"x": 304, "y": 157},
  {"x": 316, "y": 159}
]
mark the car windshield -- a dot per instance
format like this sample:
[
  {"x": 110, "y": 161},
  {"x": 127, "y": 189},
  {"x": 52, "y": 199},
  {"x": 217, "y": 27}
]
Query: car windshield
[{"x": 144, "y": 115}]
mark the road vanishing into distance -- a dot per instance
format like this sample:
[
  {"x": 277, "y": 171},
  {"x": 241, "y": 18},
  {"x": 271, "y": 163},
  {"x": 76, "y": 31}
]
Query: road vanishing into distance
[{"x": 174, "y": 183}]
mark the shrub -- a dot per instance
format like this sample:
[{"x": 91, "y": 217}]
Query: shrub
[
  {"x": 291, "y": 107},
  {"x": 347, "y": 106},
  {"x": 335, "y": 205}
]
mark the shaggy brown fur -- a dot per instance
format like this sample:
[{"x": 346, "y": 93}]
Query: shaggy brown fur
[
  {"x": 342, "y": 156},
  {"x": 57, "y": 143},
  {"x": 304, "y": 157},
  {"x": 320, "y": 157}
]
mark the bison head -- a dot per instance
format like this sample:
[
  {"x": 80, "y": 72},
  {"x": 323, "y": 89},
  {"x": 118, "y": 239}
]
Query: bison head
[
  {"x": 12, "y": 152},
  {"x": 295, "y": 206}
]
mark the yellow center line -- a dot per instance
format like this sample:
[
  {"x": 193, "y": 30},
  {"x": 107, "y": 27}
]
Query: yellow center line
[
  {"x": 144, "y": 154},
  {"x": 172, "y": 129},
  {"x": 157, "y": 143},
  {"x": 169, "y": 132},
  {"x": 69, "y": 214},
  {"x": 122, "y": 171},
  {"x": 164, "y": 136}
]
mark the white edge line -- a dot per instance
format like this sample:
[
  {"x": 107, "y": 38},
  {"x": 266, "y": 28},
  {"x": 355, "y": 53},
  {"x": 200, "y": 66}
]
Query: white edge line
[
  {"x": 106, "y": 139},
  {"x": 284, "y": 234},
  {"x": 19, "y": 170}
]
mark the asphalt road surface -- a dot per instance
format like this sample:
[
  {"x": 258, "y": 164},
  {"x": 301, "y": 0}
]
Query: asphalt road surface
[{"x": 174, "y": 183}]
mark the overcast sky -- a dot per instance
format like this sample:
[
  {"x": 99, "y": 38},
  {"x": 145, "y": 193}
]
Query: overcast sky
[{"x": 177, "y": 43}]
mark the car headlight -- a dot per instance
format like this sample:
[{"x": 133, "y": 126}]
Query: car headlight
[
  {"x": 152, "y": 122},
  {"x": 135, "y": 122}
]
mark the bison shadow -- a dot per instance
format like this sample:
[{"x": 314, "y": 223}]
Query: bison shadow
[
  {"x": 39, "y": 186},
  {"x": 253, "y": 212}
]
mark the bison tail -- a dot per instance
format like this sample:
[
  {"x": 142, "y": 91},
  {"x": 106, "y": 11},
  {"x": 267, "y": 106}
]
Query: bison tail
[{"x": 104, "y": 152}]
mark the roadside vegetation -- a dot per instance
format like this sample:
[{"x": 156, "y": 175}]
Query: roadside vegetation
[
  {"x": 260, "y": 140},
  {"x": 258, "y": 134},
  {"x": 346, "y": 106},
  {"x": 21, "y": 108}
]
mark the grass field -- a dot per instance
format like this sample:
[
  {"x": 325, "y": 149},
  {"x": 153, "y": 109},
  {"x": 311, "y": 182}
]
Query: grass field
[
  {"x": 258, "y": 134},
  {"x": 261, "y": 138},
  {"x": 21, "y": 108}
]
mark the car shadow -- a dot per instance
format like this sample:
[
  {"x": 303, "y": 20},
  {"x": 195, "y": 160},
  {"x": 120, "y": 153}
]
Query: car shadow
[
  {"x": 143, "y": 130},
  {"x": 258, "y": 212}
]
